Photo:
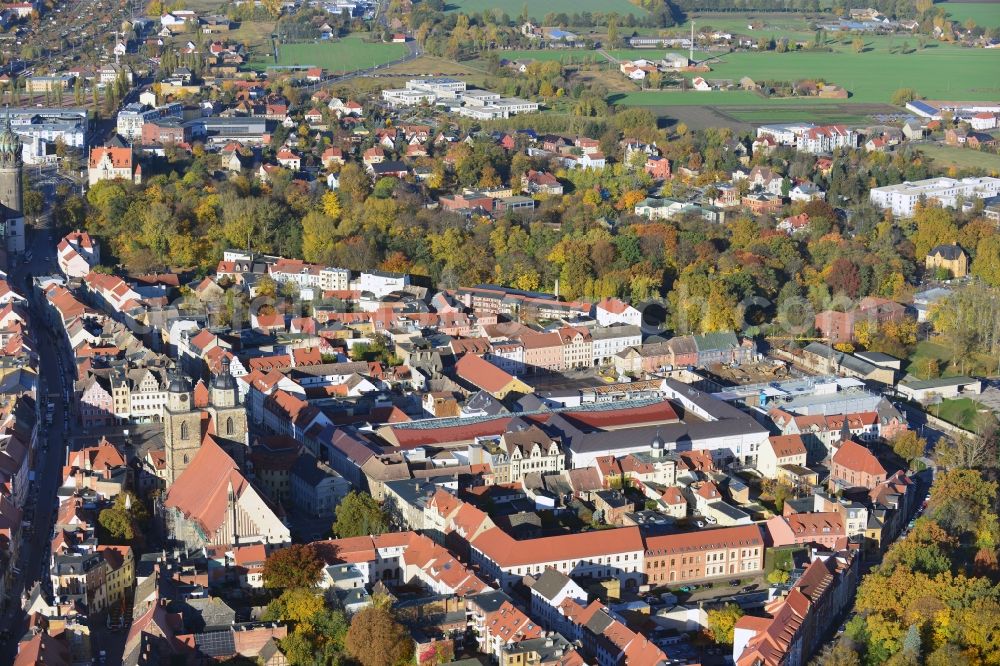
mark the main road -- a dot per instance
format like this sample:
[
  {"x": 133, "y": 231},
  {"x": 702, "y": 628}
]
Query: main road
[{"x": 55, "y": 376}]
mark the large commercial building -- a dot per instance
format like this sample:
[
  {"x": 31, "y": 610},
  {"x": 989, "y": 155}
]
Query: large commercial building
[
  {"x": 41, "y": 128},
  {"x": 478, "y": 104}
]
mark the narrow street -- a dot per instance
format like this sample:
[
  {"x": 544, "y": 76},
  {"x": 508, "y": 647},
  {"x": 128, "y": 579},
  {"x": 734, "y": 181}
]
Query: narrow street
[{"x": 48, "y": 459}]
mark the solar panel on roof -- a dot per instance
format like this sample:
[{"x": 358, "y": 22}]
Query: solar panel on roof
[{"x": 216, "y": 643}]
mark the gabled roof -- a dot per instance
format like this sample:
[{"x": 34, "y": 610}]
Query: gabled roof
[
  {"x": 856, "y": 457},
  {"x": 483, "y": 374},
  {"x": 202, "y": 490},
  {"x": 785, "y": 446}
]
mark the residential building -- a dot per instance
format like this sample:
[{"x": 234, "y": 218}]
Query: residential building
[
  {"x": 113, "y": 164},
  {"x": 800, "y": 620},
  {"x": 704, "y": 555},
  {"x": 903, "y": 198},
  {"x": 855, "y": 466},
  {"x": 778, "y": 451},
  {"x": 514, "y": 454},
  {"x": 951, "y": 258},
  {"x": 606, "y": 554}
]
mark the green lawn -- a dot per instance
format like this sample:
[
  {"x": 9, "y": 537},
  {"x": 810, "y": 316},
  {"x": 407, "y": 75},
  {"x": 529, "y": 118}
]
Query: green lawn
[
  {"x": 538, "y": 10},
  {"x": 962, "y": 158},
  {"x": 940, "y": 71},
  {"x": 985, "y": 14},
  {"x": 344, "y": 55},
  {"x": 960, "y": 411},
  {"x": 924, "y": 351},
  {"x": 780, "y": 558}
]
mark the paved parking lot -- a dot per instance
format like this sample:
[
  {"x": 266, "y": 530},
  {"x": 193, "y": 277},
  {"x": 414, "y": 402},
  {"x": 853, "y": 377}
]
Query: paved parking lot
[{"x": 989, "y": 398}]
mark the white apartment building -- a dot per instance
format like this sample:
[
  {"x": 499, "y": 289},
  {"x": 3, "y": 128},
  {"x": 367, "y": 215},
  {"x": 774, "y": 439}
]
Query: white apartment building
[
  {"x": 902, "y": 198},
  {"x": 443, "y": 87},
  {"x": 480, "y": 97},
  {"x": 135, "y": 115},
  {"x": 610, "y": 311},
  {"x": 508, "y": 355},
  {"x": 381, "y": 283},
  {"x": 825, "y": 139},
  {"x": 610, "y": 340},
  {"x": 503, "y": 107},
  {"x": 397, "y": 97},
  {"x": 307, "y": 275},
  {"x": 785, "y": 134}
]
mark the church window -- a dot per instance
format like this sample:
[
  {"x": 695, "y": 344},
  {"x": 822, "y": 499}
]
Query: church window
[
  {"x": 229, "y": 426},
  {"x": 184, "y": 430}
]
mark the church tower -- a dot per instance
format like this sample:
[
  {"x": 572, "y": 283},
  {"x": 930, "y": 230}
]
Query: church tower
[
  {"x": 184, "y": 412},
  {"x": 11, "y": 190},
  {"x": 228, "y": 414},
  {"x": 181, "y": 427}
]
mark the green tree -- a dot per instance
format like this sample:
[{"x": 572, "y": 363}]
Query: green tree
[
  {"x": 722, "y": 623},
  {"x": 33, "y": 203},
  {"x": 778, "y": 577},
  {"x": 123, "y": 517},
  {"x": 377, "y": 639},
  {"x": 841, "y": 653},
  {"x": 935, "y": 226},
  {"x": 903, "y": 95},
  {"x": 297, "y": 565},
  {"x": 986, "y": 265},
  {"x": 358, "y": 514},
  {"x": 319, "y": 236},
  {"x": 908, "y": 446}
]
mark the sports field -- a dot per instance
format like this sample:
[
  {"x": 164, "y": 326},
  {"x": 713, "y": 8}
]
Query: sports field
[
  {"x": 985, "y": 14},
  {"x": 539, "y": 8},
  {"x": 343, "y": 55},
  {"x": 940, "y": 71}
]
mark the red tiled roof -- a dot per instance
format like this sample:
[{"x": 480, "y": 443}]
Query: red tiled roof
[
  {"x": 787, "y": 445},
  {"x": 483, "y": 374},
  {"x": 855, "y": 457},
  {"x": 722, "y": 537},
  {"x": 121, "y": 158},
  {"x": 506, "y": 551},
  {"x": 201, "y": 491}
]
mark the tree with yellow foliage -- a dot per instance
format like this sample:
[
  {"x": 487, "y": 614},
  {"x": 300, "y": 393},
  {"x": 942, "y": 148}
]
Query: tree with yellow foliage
[{"x": 331, "y": 205}]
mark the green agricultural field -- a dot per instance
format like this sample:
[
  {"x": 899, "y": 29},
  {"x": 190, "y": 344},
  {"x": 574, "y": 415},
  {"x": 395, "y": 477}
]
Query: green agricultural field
[
  {"x": 344, "y": 55},
  {"x": 940, "y": 71},
  {"x": 539, "y": 8},
  {"x": 985, "y": 14},
  {"x": 793, "y": 26},
  {"x": 962, "y": 158}
]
